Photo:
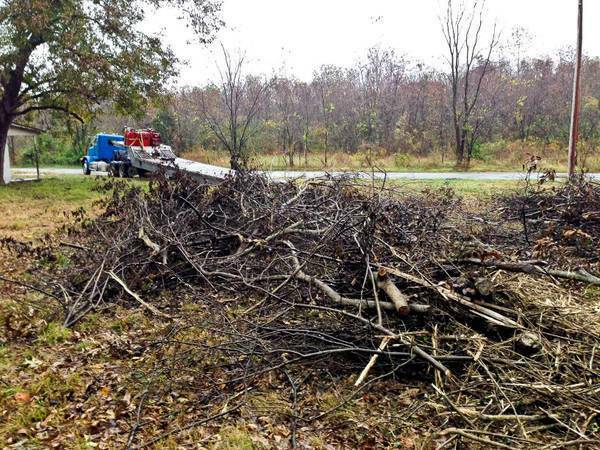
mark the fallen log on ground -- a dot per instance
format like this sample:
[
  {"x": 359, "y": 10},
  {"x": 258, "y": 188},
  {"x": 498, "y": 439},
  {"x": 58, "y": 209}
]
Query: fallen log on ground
[{"x": 533, "y": 269}]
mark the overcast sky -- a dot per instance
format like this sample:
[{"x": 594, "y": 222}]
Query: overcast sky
[{"x": 296, "y": 37}]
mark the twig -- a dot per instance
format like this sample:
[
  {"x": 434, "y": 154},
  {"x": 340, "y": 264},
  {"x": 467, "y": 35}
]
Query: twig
[
  {"x": 72, "y": 245},
  {"x": 529, "y": 268},
  {"x": 372, "y": 361},
  {"x": 146, "y": 305},
  {"x": 483, "y": 440},
  {"x": 453, "y": 406},
  {"x": 33, "y": 288}
]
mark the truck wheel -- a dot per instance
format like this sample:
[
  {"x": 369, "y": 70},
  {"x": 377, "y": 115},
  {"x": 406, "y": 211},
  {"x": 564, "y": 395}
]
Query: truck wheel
[
  {"x": 131, "y": 171},
  {"x": 86, "y": 168},
  {"x": 122, "y": 171},
  {"x": 113, "y": 171}
]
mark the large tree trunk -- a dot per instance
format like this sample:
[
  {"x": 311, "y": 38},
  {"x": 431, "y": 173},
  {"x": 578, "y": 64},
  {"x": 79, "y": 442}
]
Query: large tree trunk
[
  {"x": 12, "y": 150},
  {"x": 9, "y": 102},
  {"x": 4, "y": 126},
  {"x": 234, "y": 161}
]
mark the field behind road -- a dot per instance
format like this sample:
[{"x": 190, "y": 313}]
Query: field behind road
[{"x": 395, "y": 162}]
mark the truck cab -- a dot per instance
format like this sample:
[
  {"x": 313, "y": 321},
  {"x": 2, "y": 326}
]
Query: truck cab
[{"x": 105, "y": 149}]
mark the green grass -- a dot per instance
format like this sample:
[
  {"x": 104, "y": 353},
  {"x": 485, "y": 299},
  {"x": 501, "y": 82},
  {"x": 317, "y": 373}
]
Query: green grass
[
  {"x": 54, "y": 333},
  {"x": 236, "y": 438},
  {"x": 34, "y": 208},
  {"x": 28, "y": 165},
  {"x": 477, "y": 188},
  {"x": 68, "y": 189}
]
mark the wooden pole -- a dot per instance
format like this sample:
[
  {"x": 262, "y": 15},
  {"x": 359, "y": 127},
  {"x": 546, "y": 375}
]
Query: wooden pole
[
  {"x": 13, "y": 150},
  {"x": 37, "y": 156},
  {"x": 574, "y": 132}
]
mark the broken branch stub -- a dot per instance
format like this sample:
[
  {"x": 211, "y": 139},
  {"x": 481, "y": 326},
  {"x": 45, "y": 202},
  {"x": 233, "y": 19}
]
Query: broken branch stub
[{"x": 399, "y": 300}]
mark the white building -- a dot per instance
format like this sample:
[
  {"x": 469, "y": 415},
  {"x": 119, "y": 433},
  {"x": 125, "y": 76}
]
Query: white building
[{"x": 16, "y": 130}]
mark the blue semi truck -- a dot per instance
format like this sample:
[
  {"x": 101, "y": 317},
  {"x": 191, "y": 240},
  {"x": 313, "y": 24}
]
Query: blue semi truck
[
  {"x": 140, "y": 152},
  {"x": 107, "y": 153}
]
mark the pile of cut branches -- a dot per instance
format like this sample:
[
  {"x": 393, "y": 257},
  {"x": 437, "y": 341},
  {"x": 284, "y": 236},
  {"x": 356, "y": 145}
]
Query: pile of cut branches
[
  {"x": 565, "y": 215},
  {"x": 331, "y": 276}
]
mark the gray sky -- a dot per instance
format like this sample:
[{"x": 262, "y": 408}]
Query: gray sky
[{"x": 295, "y": 37}]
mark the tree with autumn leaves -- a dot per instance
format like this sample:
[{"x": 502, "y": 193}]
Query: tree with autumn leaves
[{"x": 72, "y": 55}]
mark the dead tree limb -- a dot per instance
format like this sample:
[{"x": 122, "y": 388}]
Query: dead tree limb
[
  {"x": 527, "y": 267},
  {"x": 337, "y": 298},
  {"x": 384, "y": 342},
  {"x": 146, "y": 305},
  {"x": 399, "y": 300},
  {"x": 486, "y": 313}
]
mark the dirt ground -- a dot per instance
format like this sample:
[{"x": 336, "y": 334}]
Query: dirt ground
[{"x": 103, "y": 383}]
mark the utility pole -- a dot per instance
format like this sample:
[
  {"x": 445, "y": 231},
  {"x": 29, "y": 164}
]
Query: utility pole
[{"x": 574, "y": 134}]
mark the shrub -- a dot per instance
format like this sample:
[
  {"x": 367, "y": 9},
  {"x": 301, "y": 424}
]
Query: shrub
[
  {"x": 52, "y": 150},
  {"x": 402, "y": 160}
]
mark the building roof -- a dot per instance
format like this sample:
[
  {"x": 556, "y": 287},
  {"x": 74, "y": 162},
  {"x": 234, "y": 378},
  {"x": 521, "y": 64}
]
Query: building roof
[{"x": 24, "y": 129}]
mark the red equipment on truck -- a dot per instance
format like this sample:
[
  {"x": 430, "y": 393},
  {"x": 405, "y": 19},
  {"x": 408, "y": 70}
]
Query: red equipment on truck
[{"x": 141, "y": 138}]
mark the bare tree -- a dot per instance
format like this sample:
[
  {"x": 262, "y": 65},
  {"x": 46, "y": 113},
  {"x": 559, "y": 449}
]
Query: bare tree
[
  {"x": 288, "y": 118},
  {"x": 469, "y": 62},
  {"x": 231, "y": 108},
  {"x": 521, "y": 39},
  {"x": 324, "y": 82},
  {"x": 306, "y": 95}
]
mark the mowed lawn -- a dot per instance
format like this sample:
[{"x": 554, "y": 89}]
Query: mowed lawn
[{"x": 33, "y": 209}]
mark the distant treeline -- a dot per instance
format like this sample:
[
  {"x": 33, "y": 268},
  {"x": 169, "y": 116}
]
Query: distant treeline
[
  {"x": 385, "y": 103},
  {"x": 388, "y": 104}
]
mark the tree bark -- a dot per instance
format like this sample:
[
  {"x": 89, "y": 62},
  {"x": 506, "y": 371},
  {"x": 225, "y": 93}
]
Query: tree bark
[
  {"x": 460, "y": 145},
  {"x": 399, "y": 300},
  {"x": 9, "y": 102},
  {"x": 12, "y": 150},
  {"x": 234, "y": 161},
  {"x": 5, "y": 122},
  {"x": 305, "y": 148},
  {"x": 326, "y": 145}
]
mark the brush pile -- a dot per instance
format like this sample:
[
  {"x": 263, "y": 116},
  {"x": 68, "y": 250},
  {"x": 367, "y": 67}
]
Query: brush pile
[
  {"x": 294, "y": 281},
  {"x": 565, "y": 216}
]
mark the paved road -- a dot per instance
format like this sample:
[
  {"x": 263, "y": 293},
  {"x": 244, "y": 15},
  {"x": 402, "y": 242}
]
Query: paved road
[{"x": 278, "y": 174}]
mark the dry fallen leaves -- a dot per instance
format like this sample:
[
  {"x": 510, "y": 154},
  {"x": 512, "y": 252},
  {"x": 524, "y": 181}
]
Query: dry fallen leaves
[
  {"x": 22, "y": 397},
  {"x": 105, "y": 391}
]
